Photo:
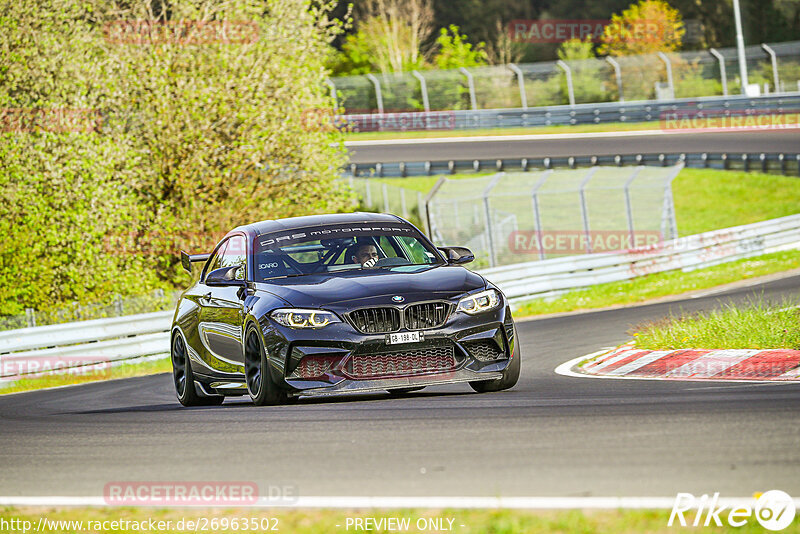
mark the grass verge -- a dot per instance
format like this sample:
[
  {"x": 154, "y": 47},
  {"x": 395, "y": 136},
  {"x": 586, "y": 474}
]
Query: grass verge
[
  {"x": 756, "y": 325},
  {"x": 664, "y": 284},
  {"x": 64, "y": 377},
  {"x": 542, "y": 130},
  {"x": 710, "y": 199},
  {"x": 333, "y": 521}
]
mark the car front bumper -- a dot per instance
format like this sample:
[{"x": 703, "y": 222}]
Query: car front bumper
[{"x": 343, "y": 360}]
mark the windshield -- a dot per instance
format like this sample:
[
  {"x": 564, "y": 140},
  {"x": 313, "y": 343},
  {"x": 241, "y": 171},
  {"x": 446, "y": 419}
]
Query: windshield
[{"x": 341, "y": 248}]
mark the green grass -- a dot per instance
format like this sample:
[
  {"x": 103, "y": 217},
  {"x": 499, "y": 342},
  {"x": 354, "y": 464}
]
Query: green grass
[
  {"x": 326, "y": 521},
  {"x": 756, "y": 325},
  {"x": 709, "y": 199},
  {"x": 664, "y": 284},
  {"x": 542, "y": 130},
  {"x": 62, "y": 378}
]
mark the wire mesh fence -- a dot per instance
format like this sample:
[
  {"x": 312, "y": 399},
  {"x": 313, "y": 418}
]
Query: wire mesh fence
[
  {"x": 629, "y": 78},
  {"x": 518, "y": 217}
]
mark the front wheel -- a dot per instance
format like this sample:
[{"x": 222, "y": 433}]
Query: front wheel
[
  {"x": 262, "y": 390},
  {"x": 183, "y": 378},
  {"x": 507, "y": 381}
]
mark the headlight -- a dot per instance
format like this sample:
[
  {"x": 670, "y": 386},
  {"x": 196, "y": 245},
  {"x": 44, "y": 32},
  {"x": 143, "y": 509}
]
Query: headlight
[
  {"x": 479, "y": 302},
  {"x": 304, "y": 318}
]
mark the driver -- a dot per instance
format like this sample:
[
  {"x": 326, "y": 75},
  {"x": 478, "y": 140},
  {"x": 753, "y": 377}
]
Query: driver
[{"x": 366, "y": 255}]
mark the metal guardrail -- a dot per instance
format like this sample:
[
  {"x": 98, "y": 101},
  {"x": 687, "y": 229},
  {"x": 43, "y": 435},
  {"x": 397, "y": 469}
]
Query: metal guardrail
[
  {"x": 639, "y": 111},
  {"x": 554, "y": 276},
  {"x": 774, "y": 163},
  {"x": 78, "y": 344}
]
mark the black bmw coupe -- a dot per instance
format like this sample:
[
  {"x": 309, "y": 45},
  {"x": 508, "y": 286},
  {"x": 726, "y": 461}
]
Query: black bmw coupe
[{"x": 332, "y": 304}]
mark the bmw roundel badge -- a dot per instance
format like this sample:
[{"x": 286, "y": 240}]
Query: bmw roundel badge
[{"x": 398, "y": 298}]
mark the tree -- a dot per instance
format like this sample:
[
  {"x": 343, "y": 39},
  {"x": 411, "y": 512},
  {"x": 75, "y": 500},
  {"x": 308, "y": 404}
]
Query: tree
[
  {"x": 644, "y": 28},
  {"x": 455, "y": 51},
  {"x": 203, "y": 128}
]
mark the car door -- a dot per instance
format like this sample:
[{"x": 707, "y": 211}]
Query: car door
[{"x": 222, "y": 313}]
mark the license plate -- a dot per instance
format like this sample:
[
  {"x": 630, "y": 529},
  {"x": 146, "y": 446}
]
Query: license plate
[{"x": 404, "y": 337}]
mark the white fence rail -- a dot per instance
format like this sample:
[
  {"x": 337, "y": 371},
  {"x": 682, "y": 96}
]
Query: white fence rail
[
  {"x": 29, "y": 351},
  {"x": 553, "y": 276},
  {"x": 85, "y": 343}
]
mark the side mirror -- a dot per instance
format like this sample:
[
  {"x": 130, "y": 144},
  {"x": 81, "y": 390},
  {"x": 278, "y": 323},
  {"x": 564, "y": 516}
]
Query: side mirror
[
  {"x": 225, "y": 276},
  {"x": 457, "y": 255}
]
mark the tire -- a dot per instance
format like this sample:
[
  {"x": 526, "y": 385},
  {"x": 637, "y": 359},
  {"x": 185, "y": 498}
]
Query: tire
[
  {"x": 262, "y": 390},
  {"x": 183, "y": 377},
  {"x": 399, "y": 392},
  {"x": 507, "y": 381}
]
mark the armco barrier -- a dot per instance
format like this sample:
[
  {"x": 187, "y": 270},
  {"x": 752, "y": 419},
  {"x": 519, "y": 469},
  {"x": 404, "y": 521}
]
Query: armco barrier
[
  {"x": 553, "y": 276},
  {"x": 135, "y": 336},
  {"x": 774, "y": 163},
  {"x": 73, "y": 344},
  {"x": 638, "y": 111}
]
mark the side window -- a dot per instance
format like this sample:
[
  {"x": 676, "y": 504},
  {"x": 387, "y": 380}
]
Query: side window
[
  {"x": 418, "y": 253},
  {"x": 388, "y": 247},
  {"x": 235, "y": 253},
  {"x": 216, "y": 260}
]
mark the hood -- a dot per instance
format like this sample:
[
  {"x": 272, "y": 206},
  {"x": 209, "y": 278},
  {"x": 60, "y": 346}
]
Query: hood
[{"x": 346, "y": 289}]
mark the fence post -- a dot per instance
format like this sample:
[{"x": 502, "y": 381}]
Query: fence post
[
  {"x": 628, "y": 204},
  {"x": 669, "y": 223},
  {"x": 670, "y": 81},
  {"x": 568, "y": 72},
  {"x": 378, "y": 93},
  {"x": 774, "y": 59},
  {"x": 423, "y": 87},
  {"x": 585, "y": 209},
  {"x": 722, "y": 73},
  {"x": 403, "y": 207},
  {"x": 426, "y": 203},
  {"x": 368, "y": 195},
  {"x": 385, "y": 198},
  {"x": 488, "y": 214},
  {"x": 536, "y": 215},
  {"x": 330, "y": 84},
  {"x": 617, "y": 75},
  {"x": 118, "y": 305},
  {"x": 523, "y": 98},
  {"x": 473, "y": 101},
  {"x": 30, "y": 317}
]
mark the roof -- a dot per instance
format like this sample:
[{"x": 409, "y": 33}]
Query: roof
[{"x": 268, "y": 226}]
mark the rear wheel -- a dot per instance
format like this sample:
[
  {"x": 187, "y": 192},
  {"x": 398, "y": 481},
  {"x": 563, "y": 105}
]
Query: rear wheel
[
  {"x": 508, "y": 380},
  {"x": 183, "y": 378},
  {"x": 262, "y": 390}
]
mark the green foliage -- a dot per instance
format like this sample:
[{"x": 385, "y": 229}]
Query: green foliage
[
  {"x": 454, "y": 51},
  {"x": 197, "y": 137},
  {"x": 645, "y": 27}
]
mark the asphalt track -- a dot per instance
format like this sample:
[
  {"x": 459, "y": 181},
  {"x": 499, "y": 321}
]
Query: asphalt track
[
  {"x": 576, "y": 145},
  {"x": 551, "y": 435}
]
